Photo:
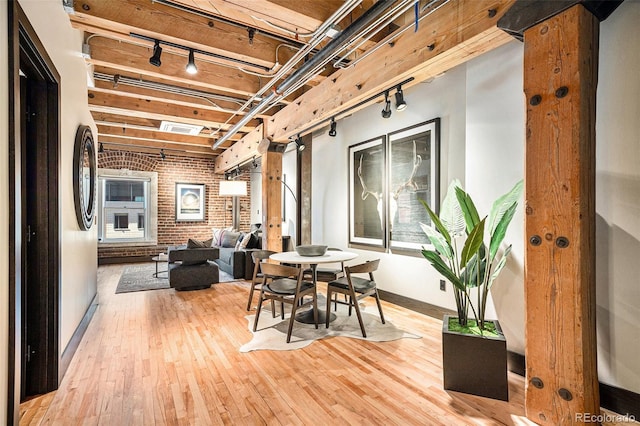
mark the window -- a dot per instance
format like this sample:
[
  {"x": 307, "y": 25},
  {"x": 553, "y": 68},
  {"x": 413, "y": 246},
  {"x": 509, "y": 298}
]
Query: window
[
  {"x": 127, "y": 207},
  {"x": 120, "y": 222}
]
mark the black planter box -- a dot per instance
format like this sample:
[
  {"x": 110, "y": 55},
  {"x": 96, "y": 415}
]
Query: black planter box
[{"x": 475, "y": 364}]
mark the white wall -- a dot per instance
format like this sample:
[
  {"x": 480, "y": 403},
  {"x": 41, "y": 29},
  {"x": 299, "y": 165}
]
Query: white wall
[
  {"x": 618, "y": 199},
  {"x": 4, "y": 212},
  {"x": 78, "y": 248},
  {"x": 78, "y": 277},
  {"x": 482, "y": 107},
  {"x": 494, "y": 163},
  {"x": 444, "y": 97}
]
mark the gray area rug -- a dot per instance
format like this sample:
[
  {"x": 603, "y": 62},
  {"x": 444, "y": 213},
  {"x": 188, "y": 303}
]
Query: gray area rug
[
  {"x": 139, "y": 277},
  {"x": 272, "y": 332}
]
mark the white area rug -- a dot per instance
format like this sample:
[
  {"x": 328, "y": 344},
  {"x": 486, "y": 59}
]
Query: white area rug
[{"x": 272, "y": 332}]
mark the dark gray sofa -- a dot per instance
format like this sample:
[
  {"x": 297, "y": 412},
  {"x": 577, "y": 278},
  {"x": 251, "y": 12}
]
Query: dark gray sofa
[
  {"x": 192, "y": 268},
  {"x": 234, "y": 260}
]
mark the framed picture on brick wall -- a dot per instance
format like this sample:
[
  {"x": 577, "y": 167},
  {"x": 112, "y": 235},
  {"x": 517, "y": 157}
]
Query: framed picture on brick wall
[{"x": 190, "y": 201}]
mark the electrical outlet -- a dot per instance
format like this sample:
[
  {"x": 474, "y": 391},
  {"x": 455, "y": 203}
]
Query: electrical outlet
[{"x": 443, "y": 285}]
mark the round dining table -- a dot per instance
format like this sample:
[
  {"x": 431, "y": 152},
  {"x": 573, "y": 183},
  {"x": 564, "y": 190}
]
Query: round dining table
[{"x": 331, "y": 256}]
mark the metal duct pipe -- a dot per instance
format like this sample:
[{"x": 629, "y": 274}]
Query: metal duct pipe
[{"x": 326, "y": 52}]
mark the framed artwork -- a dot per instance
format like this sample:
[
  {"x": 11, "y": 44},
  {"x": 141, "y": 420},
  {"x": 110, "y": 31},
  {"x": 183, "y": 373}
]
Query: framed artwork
[
  {"x": 367, "y": 193},
  {"x": 190, "y": 201},
  {"x": 413, "y": 174}
]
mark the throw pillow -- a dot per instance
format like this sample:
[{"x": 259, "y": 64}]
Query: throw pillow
[
  {"x": 239, "y": 241},
  {"x": 195, "y": 244},
  {"x": 217, "y": 235},
  {"x": 245, "y": 240},
  {"x": 254, "y": 242},
  {"x": 229, "y": 239}
]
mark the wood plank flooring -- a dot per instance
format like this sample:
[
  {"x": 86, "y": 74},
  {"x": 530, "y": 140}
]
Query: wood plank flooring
[{"x": 171, "y": 358}]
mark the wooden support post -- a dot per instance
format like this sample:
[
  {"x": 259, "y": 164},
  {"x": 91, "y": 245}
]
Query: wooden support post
[
  {"x": 272, "y": 200},
  {"x": 560, "y": 78},
  {"x": 303, "y": 211}
]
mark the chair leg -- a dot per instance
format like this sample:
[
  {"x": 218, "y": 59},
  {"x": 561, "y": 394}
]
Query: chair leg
[
  {"x": 379, "y": 305},
  {"x": 315, "y": 309},
  {"x": 355, "y": 304},
  {"x": 253, "y": 286},
  {"x": 281, "y": 310},
  {"x": 255, "y": 323},
  {"x": 294, "y": 307},
  {"x": 329, "y": 305}
]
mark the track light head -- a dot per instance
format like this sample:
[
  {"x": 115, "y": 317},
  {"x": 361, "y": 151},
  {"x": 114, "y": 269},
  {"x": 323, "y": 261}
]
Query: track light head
[
  {"x": 157, "y": 51},
  {"x": 101, "y": 148},
  {"x": 300, "y": 144},
  {"x": 191, "y": 65},
  {"x": 332, "y": 130},
  {"x": 254, "y": 163},
  {"x": 162, "y": 154},
  {"x": 401, "y": 105},
  {"x": 386, "y": 112}
]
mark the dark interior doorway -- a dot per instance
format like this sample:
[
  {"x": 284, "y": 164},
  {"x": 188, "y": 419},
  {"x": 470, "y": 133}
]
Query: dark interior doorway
[{"x": 34, "y": 237}]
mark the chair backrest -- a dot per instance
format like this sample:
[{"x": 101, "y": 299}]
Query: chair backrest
[
  {"x": 272, "y": 270},
  {"x": 258, "y": 257},
  {"x": 363, "y": 268}
]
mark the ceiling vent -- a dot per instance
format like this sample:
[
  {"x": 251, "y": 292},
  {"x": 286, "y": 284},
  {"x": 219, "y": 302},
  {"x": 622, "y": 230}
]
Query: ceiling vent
[{"x": 180, "y": 128}]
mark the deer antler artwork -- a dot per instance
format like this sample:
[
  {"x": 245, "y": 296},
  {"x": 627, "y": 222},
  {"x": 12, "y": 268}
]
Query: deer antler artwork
[
  {"x": 366, "y": 193},
  {"x": 409, "y": 183}
]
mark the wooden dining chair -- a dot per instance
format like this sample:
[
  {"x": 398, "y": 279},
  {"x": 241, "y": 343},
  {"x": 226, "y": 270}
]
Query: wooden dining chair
[
  {"x": 285, "y": 284},
  {"x": 356, "y": 288},
  {"x": 258, "y": 256}
]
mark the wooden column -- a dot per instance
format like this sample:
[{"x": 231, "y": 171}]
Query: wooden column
[
  {"x": 304, "y": 192},
  {"x": 560, "y": 77},
  {"x": 272, "y": 200}
]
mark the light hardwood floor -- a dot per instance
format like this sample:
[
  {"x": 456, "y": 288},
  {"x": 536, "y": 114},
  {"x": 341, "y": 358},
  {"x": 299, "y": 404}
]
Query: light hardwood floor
[{"x": 166, "y": 357}]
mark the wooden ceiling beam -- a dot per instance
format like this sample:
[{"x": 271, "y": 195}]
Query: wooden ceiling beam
[
  {"x": 134, "y": 59},
  {"x": 120, "y": 122},
  {"x": 169, "y": 24},
  {"x": 126, "y": 91},
  {"x": 138, "y": 107},
  {"x": 166, "y": 145},
  {"x": 154, "y": 151},
  {"x": 154, "y": 135},
  {"x": 455, "y": 33}
]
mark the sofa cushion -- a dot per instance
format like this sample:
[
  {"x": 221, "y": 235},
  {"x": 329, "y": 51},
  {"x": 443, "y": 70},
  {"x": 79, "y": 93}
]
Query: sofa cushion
[
  {"x": 254, "y": 241},
  {"x": 199, "y": 244},
  {"x": 229, "y": 239}
]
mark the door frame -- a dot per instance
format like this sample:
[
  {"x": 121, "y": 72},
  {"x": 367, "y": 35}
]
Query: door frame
[{"x": 24, "y": 41}]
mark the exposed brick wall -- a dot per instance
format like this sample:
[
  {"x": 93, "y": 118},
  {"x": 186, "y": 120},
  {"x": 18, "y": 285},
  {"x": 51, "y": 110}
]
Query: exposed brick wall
[{"x": 176, "y": 169}]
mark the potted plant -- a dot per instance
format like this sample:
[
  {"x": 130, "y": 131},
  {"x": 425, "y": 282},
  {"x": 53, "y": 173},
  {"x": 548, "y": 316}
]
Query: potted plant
[{"x": 467, "y": 253}]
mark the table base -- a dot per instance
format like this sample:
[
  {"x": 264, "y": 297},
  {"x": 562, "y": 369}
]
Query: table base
[{"x": 306, "y": 317}]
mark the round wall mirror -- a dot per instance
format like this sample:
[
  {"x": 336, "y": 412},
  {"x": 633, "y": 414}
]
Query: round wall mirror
[{"x": 84, "y": 177}]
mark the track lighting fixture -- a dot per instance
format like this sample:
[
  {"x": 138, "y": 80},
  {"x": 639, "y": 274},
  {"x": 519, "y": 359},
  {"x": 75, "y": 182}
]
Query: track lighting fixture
[
  {"x": 157, "y": 51},
  {"x": 401, "y": 105},
  {"x": 332, "y": 130},
  {"x": 386, "y": 112},
  {"x": 300, "y": 144},
  {"x": 254, "y": 163},
  {"x": 162, "y": 154},
  {"x": 191, "y": 65},
  {"x": 101, "y": 148}
]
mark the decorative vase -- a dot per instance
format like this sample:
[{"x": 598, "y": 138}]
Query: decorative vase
[{"x": 475, "y": 364}]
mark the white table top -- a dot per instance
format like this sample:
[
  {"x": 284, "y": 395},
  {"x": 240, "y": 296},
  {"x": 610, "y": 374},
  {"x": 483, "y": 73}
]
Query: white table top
[{"x": 328, "y": 257}]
